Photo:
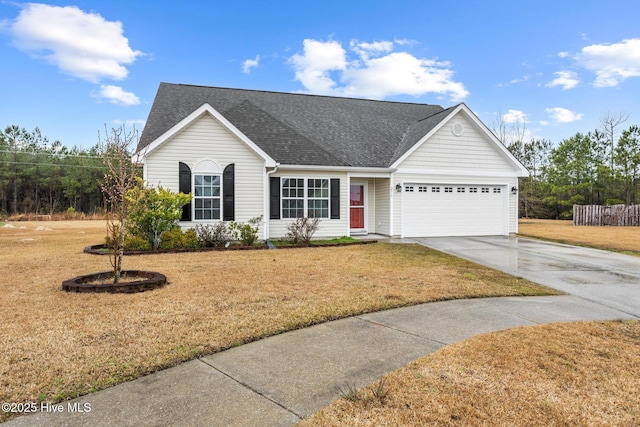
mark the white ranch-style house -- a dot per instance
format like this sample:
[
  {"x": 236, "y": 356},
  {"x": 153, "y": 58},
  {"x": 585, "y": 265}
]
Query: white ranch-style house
[{"x": 362, "y": 166}]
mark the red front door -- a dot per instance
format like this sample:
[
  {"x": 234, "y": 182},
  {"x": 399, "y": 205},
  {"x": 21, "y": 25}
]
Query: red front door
[{"x": 356, "y": 203}]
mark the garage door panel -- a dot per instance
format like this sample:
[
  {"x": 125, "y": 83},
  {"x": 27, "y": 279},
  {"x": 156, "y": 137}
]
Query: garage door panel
[{"x": 454, "y": 210}]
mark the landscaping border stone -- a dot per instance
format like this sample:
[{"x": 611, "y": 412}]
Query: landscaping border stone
[
  {"x": 100, "y": 249},
  {"x": 148, "y": 280}
]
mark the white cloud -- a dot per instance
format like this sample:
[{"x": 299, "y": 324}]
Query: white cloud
[
  {"x": 562, "y": 115},
  {"x": 366, "y": 50},
  {"x": 314, "y": 65},
  {"x": 612, "y": 63},
  {"x": 248, "y": 64},
  {"x": 563, "y": 54},
  {"x": 514, "y": 116},
  {"x": 375, "y": 71},
  {"x": 565, "y": 79},
  {"x": 116, "y": 95},
  {"x": 80, "y": 44}
]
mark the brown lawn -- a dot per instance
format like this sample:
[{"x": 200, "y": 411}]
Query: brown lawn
[
  {"x": 55, "y": 345},
  {"x": 622, "y": 239},
  {"x": 566, "y": 374}
]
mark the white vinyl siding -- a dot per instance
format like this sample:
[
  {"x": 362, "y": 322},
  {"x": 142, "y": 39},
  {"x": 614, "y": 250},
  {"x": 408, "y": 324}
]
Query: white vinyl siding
[
  {"x": 445, "y": 152},
  {"x": 382, "y": 192},
  {"x": 328, "y": 227},
  {"x": 205, "y": 139}
]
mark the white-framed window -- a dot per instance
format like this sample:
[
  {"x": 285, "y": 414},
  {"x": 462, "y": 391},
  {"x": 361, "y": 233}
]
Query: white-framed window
[
  {"x": 318, "y": 198},
  {"x": 497, "y": 189},
  {"x": 485, "y": 189},
  {"x": 409, "y": 188},
  {"x": 435, "y": 189},
  {"x": 207, "y": 197},
  {"x": 460, "y": 190},
  {"x": 305, "y": 197},
  {"x": 422, "y": 189},
  {"x": 448, "y": 189},
  {"x": 292, "y": 198},
  {"x": 473, "y": 189}
]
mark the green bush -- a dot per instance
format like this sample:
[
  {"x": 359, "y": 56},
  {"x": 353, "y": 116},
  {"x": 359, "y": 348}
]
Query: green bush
[
  {"x": 247, "y": 233},
  {"x": 177, "y": 239},
  {"x": 155, "y": 211},
  {"x": 132, "y": 243}
]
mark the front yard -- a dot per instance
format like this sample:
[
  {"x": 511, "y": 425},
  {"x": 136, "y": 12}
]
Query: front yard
[{"x": 56, "y": 345}]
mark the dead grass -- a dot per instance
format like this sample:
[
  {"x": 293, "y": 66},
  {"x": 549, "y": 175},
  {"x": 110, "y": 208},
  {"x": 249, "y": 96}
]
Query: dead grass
[
  {"x": 621, "y": 239},
  {"x": 55, "y": 345},
  {"x": 571, "y": 374}
]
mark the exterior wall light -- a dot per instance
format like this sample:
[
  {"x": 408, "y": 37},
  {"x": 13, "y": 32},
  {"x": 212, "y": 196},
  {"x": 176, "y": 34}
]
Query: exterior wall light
[
  {"x": 514, "y": 190},
  {"x": 398, "y": 188}
]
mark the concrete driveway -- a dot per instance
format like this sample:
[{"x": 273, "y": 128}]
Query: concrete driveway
[{"x": 608, "y": 278}]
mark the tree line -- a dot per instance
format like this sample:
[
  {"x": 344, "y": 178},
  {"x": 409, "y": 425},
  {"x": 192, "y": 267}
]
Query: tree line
[
  {"x": 43, "y": 177},
  {"x": 600, "y": 167}
]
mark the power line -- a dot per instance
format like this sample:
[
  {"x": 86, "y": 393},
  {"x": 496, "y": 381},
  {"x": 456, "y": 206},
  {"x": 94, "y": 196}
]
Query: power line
[{"x": 52, "y": 164}]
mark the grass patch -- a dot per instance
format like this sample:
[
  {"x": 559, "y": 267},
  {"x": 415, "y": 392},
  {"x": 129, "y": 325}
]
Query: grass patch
[
  {"x": 619, "y": 239},
  {"x": 214, "y": 301},
  {"x": 582, "y": 373},
  {"x": 343, "y": 239},
  {"x": 335, "y": 241}
]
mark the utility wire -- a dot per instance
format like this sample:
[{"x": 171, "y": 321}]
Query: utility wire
[{"x": 52, "y": 164}]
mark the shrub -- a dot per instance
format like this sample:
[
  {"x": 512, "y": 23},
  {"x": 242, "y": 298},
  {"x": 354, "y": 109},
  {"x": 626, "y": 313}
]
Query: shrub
[
  {"x": 213, "y": 235},
  {"x": 132, "y": 243},
  {"x": 177, "y": 239},
  {"x": 300, "y": 231},
  {"x": 247, "y": 233},
  {"x": 154, "y": 212}
]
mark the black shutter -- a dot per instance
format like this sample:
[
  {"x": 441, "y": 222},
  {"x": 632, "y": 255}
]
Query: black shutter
[
  {"x": 335, "y": 199},
  {"x": 184, "y": 186},
  {"x": 274, "y": 198},
  {"x": 228, "y": 193}
]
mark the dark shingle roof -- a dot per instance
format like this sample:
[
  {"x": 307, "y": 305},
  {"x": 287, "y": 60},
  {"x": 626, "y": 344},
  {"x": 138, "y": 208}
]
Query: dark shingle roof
[{"x": 303, "y": 129}]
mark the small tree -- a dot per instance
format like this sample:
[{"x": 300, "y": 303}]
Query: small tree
[
  {"x": 154, "y": 212},
  {"x": 119, "y": 179}
]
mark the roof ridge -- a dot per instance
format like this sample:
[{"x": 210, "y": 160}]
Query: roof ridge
[{"x": 302, "y": 94}]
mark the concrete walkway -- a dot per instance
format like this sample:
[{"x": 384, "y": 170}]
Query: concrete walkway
[{"x": 279, "y": 380}]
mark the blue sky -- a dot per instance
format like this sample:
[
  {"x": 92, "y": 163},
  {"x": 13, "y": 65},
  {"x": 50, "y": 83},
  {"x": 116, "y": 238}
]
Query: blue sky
[{"x": 553, "y": 68}]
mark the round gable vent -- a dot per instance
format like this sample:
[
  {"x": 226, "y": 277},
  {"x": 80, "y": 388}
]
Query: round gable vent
[{"x": 457, "y": 129}]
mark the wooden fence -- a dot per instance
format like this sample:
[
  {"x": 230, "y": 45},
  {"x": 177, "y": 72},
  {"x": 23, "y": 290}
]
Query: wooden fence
[{"x": 615, "y": 215}]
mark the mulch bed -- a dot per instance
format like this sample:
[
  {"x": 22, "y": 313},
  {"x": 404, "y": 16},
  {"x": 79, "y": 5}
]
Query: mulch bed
[{"x": 147, "y": 280}]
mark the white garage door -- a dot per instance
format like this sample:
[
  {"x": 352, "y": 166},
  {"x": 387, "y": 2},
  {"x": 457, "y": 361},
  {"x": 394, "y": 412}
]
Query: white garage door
[{"x": 454, "y": 210}]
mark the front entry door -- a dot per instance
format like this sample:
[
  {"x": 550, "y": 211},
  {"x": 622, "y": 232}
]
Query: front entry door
[{"x": 356, "y": 208}]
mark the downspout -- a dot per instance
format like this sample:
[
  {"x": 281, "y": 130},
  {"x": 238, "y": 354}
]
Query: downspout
[{"x": 267, "y": 200}]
